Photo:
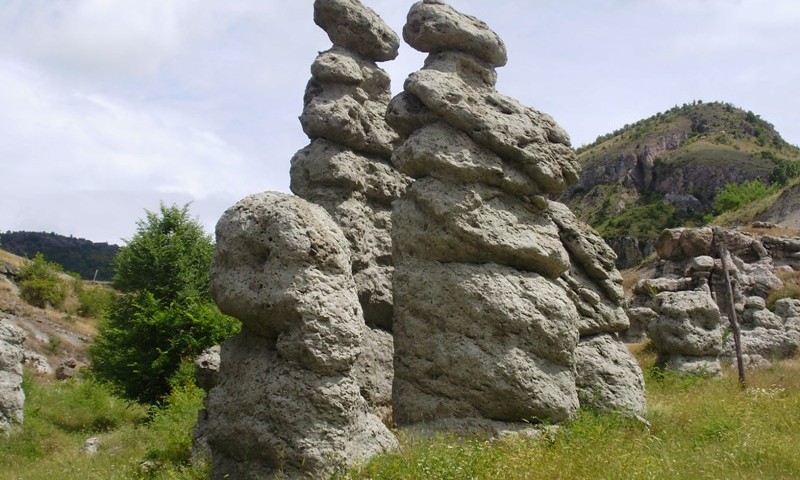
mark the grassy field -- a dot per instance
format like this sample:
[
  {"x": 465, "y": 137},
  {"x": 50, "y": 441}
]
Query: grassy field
[
  {"x": 699, "y": 429},
  {"x": 59, "y": 417}
]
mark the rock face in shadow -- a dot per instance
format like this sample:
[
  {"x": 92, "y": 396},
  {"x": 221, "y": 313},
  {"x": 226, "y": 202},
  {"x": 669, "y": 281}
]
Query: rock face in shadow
[
  {"x": 507, "y": 307},
  {"x": 347, "y": 170},
  {"x": 12, "y": 398},
  {"x": 286, "y": 399}
]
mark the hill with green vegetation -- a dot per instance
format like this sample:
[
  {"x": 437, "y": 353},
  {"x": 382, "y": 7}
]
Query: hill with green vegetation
[
  {"x": 77, "y": 255},
  {"x": 668, "y": 170}
]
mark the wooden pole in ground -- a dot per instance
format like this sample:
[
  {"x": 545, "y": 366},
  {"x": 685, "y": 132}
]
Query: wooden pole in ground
[{"x": 737, "y": 336}]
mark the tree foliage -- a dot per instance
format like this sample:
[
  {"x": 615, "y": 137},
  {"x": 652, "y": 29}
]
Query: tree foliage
[
  {"x": 784, "y": 171},
  {"x": 169, "y": 256},
  {"x": 735, "y": 195},
  {"x": 165, "y": 314},
  {"x": 78, "y": 255}
]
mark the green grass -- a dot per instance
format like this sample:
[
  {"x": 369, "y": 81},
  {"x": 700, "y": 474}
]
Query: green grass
[
  {"x": 699, "y": 429},
  {"x": 59, "y": 417}
]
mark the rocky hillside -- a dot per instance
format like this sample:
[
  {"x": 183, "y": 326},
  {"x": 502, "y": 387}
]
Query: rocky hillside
[
  {"x": 54, "y": 337},
  {"x": 665, "y": 171}
]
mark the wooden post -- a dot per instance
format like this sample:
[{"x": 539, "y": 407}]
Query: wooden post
[{"x": 737, "y": 336}]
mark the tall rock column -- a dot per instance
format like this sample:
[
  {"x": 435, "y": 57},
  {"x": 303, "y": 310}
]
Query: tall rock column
[
  {"x": 346, "y": 168},
  {"x": 498, "y": 291},
  {"x": 287, "y": 400}
]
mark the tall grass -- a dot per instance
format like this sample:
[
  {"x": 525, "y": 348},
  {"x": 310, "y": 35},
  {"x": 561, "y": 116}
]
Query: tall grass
[
  {"x": 699, "y": 429},
  {"x": 59, "y": 417}
]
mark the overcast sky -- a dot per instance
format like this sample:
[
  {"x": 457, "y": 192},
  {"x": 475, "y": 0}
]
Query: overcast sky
[{"x": 108, "y": 107}]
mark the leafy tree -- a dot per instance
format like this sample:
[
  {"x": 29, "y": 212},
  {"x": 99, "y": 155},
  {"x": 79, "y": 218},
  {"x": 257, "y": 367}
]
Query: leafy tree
[
  {"x": 40, "y": 283},
  {"x": 165, "y": 314},
  {"x": 169, "y": 256},
  {"x": 784, "y": 171}
]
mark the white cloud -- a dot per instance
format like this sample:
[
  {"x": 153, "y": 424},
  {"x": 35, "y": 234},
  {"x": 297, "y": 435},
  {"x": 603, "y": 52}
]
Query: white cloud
[{"x": 110, "y": 106}]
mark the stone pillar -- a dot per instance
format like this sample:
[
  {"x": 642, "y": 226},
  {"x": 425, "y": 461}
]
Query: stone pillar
[
  {"x": 495, "y": 286},
  {"x": 346, "y": 168}
]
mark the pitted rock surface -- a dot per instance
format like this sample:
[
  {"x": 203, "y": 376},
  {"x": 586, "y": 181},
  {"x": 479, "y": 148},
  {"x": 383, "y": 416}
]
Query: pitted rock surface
[
  {"x": 687, "y": 332},
  {"x": 12, "y": 397},
  {"x": 603, "y": 361},
  {"x": 286, "y": 398},
  {"x": 356, "y": 27},
  {"x": 689, "y": 261},
  {"x": 346, "y": 168},
  {"x": 433, "y": 26},
  {"x": 494, "y": 284}
]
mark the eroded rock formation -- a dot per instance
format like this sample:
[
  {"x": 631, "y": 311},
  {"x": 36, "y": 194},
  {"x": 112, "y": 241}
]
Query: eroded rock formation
[
  {"x": 506, "y": 306},
  {"x": 346, "y": 168},
  {"x": 12, "y": 398},
  {"x": 689, "y": 266},
  {"x": 286, "y": 399}
]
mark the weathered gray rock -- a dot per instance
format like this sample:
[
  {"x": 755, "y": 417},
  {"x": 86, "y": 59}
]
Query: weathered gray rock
[
  {"x": 374, "y": 370},
  {"x": 608, "y": 377},
  {"x": 702, "y": 263},
  {"x": 640, "y": 318},
  {"x": 440, "y": 151},
  {"x": 494, "y": 285},
  {"x": 653, "y": 286},
  {"x": 37, "y": 362},
  {"x": 287, "y": 399},
  {"x": 91, "y": 446},
  {"x": 346, "y": 167},
  {"x": 349, "y": 115},
  {"x": 688, "y": 325},
  {"x": 433, "y": 26},
  {"x": 67, "y": 369},
  {"x": 481, "y": 341},
  {"x": 788, "y": 308},
  {"x": 753, "y": 264},
  {"x": 206, "y": 368},
  {"x": 406, "y": 114},
  {"x": 297, "y": 422},
  {"x": 529, "y": 138},
  {"x": 12, "y": 397},
  {"x": 503, "y": 228},
  {"x": 323, "y": 166},
  {"x": 351, "y": 25},
  {"x": 668, "y": 244}
]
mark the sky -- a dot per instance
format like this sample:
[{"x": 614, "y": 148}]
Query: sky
[{"x": 110, "y": 107}]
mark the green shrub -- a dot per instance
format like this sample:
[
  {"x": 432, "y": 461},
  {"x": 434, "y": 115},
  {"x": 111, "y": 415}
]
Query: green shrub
[
  {"x": 736, "y": 195},
  {"x": 94, "y": 300},
  {"x": 40, "y": 283}
]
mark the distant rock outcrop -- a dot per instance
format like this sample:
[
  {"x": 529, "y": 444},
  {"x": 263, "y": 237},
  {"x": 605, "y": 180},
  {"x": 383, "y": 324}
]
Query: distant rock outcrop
[
  {"x": 498, "y": 291},
  {"x": 685, "y": 306},
  {"x": 286, "y": 399},
  {"x": 12, "y": 398}
]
